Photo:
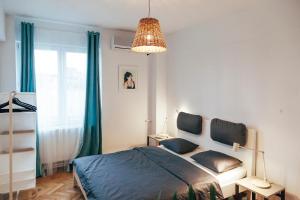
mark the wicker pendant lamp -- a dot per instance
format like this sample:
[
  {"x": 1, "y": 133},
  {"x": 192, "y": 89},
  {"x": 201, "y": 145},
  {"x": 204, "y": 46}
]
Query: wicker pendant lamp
[{"x": 148, "y": 37}]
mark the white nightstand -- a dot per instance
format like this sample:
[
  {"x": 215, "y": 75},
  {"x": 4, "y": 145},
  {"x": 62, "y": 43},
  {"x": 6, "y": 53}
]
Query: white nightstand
[
  {"x": 246, "y": 183},
  {"x": 154, "y": 140}
]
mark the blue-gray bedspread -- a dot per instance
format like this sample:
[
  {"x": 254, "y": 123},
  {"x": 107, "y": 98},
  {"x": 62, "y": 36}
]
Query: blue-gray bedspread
[{"x": 141, "y": 174}]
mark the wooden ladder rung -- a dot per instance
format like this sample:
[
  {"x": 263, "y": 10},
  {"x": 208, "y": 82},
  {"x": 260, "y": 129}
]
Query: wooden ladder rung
[
  {"x": 18, "y": 132},
  {"x": 17, "y": 150}
]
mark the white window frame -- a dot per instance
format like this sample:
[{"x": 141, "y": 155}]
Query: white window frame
[{"x": 62, "y": 50}]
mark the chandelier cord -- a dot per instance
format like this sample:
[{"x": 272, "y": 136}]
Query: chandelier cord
[{"x": 149, "y": 8}]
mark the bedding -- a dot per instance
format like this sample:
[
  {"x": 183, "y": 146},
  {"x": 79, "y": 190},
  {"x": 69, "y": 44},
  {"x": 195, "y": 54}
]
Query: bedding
[
  {"x": 142, "y": 173},
  {"x": 179, "y": 145},
  {"x": 216, "y": 161},
  {"x": 224, "y": 179}
]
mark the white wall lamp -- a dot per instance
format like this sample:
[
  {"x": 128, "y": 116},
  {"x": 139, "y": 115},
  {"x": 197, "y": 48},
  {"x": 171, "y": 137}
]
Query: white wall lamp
[{"x": 261, "y": 183}]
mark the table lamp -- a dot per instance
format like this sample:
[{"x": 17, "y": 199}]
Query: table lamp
[{"x": 261, "y": 183}]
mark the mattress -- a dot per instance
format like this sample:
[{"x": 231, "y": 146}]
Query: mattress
[{"x": 224, "y": 179}]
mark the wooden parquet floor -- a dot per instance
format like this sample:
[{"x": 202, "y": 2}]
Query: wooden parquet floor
[{"x": 56, "y": 187}]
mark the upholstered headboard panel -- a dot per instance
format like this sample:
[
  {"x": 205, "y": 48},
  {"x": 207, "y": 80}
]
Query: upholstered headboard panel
[
  {"x": 189, "y": 123},
  {"x": 228, "y": 132}
]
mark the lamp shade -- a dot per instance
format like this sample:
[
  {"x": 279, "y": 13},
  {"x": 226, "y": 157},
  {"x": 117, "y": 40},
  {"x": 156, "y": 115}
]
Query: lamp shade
[{"x": 148, "y": 37}]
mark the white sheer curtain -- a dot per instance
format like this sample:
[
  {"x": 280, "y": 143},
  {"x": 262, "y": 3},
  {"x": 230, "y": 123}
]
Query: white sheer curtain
[
  {"x": 58, "y": 147},
  {"x": 61, "y": 82},
  {"x": 60, "y": 63}
]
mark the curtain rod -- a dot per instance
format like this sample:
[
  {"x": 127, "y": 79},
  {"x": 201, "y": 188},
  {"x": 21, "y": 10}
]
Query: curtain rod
[{"x": 18, "y": 17}]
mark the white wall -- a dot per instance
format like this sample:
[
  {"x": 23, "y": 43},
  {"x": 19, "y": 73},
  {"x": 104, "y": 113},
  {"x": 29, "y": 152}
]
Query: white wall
[
  {"x": 123, "y": 115},
  {"x": 245, "y": 68},
  {"x": 7, "y": 57},
  {"x": 158, "y": 93},
  {"x": 2, "y": 22}
]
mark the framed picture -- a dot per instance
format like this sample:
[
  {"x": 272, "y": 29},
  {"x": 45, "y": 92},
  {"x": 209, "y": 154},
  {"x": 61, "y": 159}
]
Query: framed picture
[{"x": 128, "y": 78}]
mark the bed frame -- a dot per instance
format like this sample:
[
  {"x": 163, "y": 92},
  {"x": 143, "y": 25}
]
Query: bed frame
[
  {"x": 77, "y": 183},
  {"x": 247, "y": 156}
]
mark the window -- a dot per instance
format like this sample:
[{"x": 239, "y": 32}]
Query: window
[{"x": 60, "y": 85}]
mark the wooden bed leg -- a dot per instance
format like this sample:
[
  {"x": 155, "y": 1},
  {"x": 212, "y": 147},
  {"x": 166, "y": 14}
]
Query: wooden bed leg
[{"x": 75, "y": 184}]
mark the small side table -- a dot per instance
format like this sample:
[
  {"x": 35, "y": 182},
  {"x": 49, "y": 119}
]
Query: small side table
[
  {"x": 154, "y": 140},
  {"x": 275, "y": 189}
]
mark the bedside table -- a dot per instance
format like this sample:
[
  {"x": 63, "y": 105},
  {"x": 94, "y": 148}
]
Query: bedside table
[
  {"x": 246, "y": 183},
  {"x": 154, "y": 140}
]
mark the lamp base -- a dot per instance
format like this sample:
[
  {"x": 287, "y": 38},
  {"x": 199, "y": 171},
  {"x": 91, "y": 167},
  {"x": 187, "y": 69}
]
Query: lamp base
[{"x": 260, "y": 183}]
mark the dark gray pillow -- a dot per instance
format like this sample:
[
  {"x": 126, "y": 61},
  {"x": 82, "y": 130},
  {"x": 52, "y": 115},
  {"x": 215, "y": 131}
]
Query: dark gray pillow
[
  {"x": 228, "y": 132},
  {"x": 216, "y": 161},
  {"x": 179, "y": 145},
  {"x": 189, "y": 123}
]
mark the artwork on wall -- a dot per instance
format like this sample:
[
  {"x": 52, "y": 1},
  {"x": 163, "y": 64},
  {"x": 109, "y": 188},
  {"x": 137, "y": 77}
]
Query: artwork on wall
[{"x": 128, "y": 78}]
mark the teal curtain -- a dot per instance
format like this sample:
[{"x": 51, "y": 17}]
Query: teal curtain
[
  {"x": 92, "y": 135},
  {"x": 28, "y": 74},
  {"x": 27, "y": 58}
]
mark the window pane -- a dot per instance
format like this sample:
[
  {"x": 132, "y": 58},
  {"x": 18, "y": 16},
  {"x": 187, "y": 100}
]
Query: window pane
[
  {"x": 47, "y": 82},
  {"x": 61, "y": 80},
  {"x": 75, "y": 86},
  {"x": 46, "y": 61}
]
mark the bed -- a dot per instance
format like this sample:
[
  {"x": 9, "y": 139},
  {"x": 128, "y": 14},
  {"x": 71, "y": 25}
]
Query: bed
[
  {"x": 141, "y": 173},
  {"x": 158, "y": 173}
]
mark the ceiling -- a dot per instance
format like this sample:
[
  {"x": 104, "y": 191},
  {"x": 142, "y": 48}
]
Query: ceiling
[{"x": 124, "y": 14}]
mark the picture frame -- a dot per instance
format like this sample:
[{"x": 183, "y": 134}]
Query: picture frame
[{"x": 128, "y": 78}]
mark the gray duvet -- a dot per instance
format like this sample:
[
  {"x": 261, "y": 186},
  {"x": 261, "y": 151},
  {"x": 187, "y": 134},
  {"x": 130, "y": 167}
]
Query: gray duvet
[{"x": 143, "y": 173}]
